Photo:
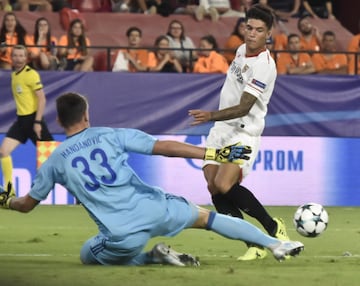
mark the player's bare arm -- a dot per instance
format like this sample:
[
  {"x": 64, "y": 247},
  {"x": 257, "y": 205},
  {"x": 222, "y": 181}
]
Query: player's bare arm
[{"x": 236, "y": 111}]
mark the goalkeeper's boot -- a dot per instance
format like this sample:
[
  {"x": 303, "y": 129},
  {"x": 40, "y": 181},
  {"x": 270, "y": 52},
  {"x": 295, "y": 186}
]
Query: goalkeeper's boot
[
  {"x": 286, "y": 248},
  {"x": 166, "y": 255},
  {"x": 253, "y": 253},
  {"x": 280, "y": 232}
]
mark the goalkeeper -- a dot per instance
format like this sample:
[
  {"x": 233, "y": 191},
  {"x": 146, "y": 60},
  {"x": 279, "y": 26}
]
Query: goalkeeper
[{"x": 92, "y": 165}]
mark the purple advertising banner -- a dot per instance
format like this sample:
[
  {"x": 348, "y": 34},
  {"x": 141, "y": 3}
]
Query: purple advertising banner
[{"x": 158, "y": 103}]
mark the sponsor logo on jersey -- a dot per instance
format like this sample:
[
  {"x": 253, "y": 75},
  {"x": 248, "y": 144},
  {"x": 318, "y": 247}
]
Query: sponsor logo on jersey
[{"x": 258, "y": 83}]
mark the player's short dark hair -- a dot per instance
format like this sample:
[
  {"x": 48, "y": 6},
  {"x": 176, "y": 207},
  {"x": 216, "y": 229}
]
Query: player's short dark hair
[
  {"x": 70, "y": 108},
  {"x": 261, "y": 12}
]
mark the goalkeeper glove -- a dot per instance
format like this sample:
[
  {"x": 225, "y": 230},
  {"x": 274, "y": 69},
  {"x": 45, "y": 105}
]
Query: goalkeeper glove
[
  {"x": 6, "y": 196},
  {"x": 235, "y": 153}
]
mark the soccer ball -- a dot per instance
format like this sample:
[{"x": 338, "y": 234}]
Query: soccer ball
[{"x": 311, "y": 219}]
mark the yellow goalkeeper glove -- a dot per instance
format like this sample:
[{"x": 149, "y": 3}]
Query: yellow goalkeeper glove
[
  {"x": 6, "y": 196},
  {"x": 235, "y": 153}
]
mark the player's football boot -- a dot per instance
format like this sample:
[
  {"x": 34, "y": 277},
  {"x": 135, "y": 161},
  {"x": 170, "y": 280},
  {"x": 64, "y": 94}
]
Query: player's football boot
[
  {"x": 287, "y": 248},
  {"x": 253, "y": 253},
  {"x": 280, "y": 232},
  {"x": 166, "y": 255}
]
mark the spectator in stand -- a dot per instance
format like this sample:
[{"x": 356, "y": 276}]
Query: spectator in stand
[
  {"x": 235, "y": 40},
  {"x": 75, "y": 55},
  {"x": 295, "y": 61},
  {"x": 310, "y": 37},
  {"x": 5, "y": 6},
  {"x": 163, "y": 59},
  {"x": 133, "y": 58},
  {"x": 34, "y": 5},
  {"x": 210, "y": 61},
  {"x": 329, "y": 62},
  {"x": 280, "y": 34},
  {"x": 354, "y": 46},
  {"x": 141, "y": 6},
  {"x": 215, "y": 9},
  {"x": 45, "y": 57},
  {"x": 319, "y": 8},
  {"x": 187, "y": 7},
  {"x": 283, "y": 8},
  {"x": 183, "y": 44},
  {"x": 11, "y": 33}
]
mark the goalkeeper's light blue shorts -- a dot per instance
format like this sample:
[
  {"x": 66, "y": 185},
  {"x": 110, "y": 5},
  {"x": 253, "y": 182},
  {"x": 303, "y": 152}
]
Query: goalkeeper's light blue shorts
[{"x": 181, "y": 214}]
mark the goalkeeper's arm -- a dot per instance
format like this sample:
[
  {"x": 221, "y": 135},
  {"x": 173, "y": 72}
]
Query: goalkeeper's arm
[
  {"x": 234, "y": 153},
  {"x": 8, "y": 200}
]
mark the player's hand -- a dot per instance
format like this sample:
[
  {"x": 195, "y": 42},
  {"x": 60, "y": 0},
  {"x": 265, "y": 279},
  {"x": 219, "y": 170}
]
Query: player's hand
[
  {"x": 200, "y": 116},
  {"x": 235, "y": 153},
  {"x": 6, "y": 196}
]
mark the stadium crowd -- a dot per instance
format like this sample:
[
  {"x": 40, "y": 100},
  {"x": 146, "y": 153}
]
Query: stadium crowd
[{"x": 178, "y": 51}]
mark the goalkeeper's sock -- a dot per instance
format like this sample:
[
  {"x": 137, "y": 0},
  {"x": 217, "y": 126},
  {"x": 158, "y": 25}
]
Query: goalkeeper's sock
[
  {"x": 247, "y": 202},
  {"x": 224, "y": 206},
  {"x": 7, "y": 169},
  {"x": 239, "y": 229}
]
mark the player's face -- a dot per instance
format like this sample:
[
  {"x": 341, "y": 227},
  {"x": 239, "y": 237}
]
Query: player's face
[
  {"x": 19, "y": 58},
  {"x": 256, "y": 34}
]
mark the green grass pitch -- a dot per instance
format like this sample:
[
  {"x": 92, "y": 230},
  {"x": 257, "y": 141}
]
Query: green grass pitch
[{"x": 42, "y": 248}]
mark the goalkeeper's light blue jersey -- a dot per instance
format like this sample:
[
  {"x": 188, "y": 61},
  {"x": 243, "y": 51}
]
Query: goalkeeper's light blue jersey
[{"x": 92, "y": 165}]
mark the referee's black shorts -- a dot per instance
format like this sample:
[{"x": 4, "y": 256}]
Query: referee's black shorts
[{"x": 23, "y": 129}]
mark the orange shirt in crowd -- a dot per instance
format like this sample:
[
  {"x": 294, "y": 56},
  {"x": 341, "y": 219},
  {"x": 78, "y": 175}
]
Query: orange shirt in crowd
[
  {"x": 312, "y": 45},
  {"x": 285, "y": 61},
  {"x": 141, "y": 56},
  {"x": 354, "y": 46},
  {"x": 12, "y": 40},
  {"x": 280, "y": 41},
  {"x": 232, "y": 44},
  {"x": 152, "y": 60},
  {"x": 73, "y": 52},
  {"x": 329, "y": 61},
  {"x": 214, "y": 63},
  {"x": 36, "y": 50}
]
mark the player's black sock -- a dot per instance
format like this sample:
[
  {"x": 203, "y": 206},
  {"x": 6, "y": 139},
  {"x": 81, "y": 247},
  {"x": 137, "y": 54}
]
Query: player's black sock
[
  {"x": 224, "y": 206},
  {"x": 247, "y": 202}
]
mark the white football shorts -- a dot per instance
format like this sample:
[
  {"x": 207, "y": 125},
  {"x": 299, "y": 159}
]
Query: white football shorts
[{"x": 222, "y": 135}]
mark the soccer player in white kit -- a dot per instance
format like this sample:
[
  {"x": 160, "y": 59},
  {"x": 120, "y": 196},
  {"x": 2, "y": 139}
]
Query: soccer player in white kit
[
  {"x": 241, "y": 118},
  {"x": 92, "y": 165}
]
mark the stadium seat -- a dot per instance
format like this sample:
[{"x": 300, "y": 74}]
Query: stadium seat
[{"x": 101, "y": 61}]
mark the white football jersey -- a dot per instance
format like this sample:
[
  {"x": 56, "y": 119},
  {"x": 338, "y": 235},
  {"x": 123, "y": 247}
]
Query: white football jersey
[{"x": 255, "y": 75}]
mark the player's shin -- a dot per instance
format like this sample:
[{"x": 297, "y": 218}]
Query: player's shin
[{"x": 238, "y": 229}]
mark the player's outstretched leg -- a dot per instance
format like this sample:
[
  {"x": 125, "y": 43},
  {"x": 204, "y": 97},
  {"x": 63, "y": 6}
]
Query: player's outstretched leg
[
  {"x": 165, "y": 255},
  {"x": 286, "y": 248},
  {"x": 235, "y": 228}
]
